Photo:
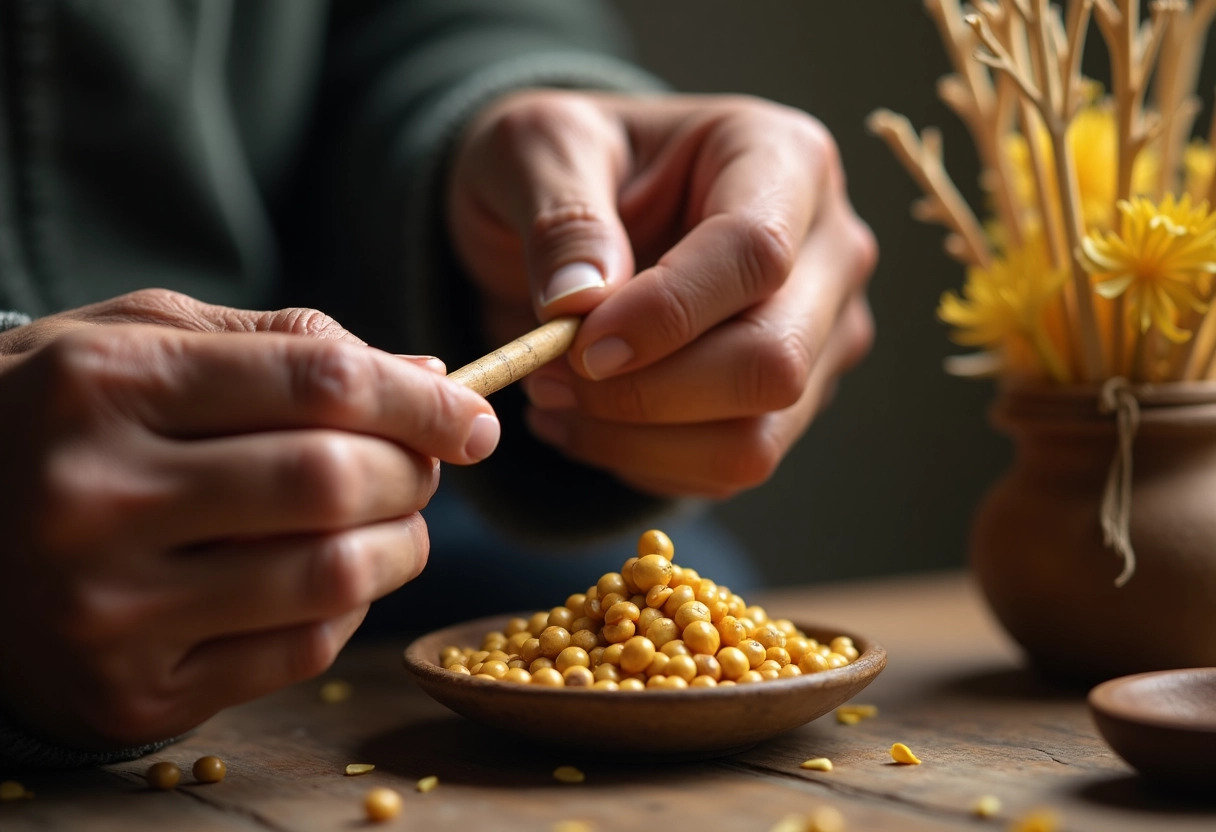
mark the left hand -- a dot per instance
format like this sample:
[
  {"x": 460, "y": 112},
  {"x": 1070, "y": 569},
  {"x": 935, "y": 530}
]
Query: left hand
[{"x": 696, "y": 374}]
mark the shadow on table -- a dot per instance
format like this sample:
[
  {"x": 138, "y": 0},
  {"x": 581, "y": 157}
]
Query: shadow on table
[
  {"x": 1134, "y": 793},
  {"x": 459, "y": 751},
  {"x": 1006, "y": 683}
]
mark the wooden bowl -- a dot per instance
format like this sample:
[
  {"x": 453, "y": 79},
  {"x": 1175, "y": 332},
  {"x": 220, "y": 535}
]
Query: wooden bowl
[
  {"x": 1162, "y": 723},
  {"x": 690, "y": 723}
]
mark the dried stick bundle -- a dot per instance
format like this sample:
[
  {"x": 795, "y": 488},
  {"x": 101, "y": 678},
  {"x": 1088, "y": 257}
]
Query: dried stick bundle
[{"x": 1099, "y": 254}]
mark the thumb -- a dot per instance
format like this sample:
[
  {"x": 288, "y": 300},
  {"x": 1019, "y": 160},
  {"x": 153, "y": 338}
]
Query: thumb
[{"x": 558, "y": 165}]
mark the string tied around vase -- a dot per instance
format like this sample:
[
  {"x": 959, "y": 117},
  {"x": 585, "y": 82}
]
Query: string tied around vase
[{"x": 1116, "y": 397}]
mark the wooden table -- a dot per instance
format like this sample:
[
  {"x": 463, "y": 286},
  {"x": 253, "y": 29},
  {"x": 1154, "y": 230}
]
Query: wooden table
[{"x": 953, "y": 690}]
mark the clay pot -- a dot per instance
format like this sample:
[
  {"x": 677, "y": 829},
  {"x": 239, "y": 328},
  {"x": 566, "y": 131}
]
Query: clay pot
[{"x": 1037, "y": 546}]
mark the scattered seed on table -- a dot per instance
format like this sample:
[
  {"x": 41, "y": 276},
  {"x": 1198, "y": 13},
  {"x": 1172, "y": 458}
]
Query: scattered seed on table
[
  {"x": 163, "y": 775},
  {"x": 847, "y": 718},
  {"x": 573, "y": 826},
  {"x": 900, "y": 753},
  {"x": 209, "y": 769},
  {"x": 568, "y": 774},
  {"x": 1040, "y": 820},
  {"x": 427, "y": 784},
  {"x": 825, "y": 819},
  {"x": 335, "y": 691},
  {"x": 355, "y": 769},
  {"x": 12, "y": 790},
  {"x": 382, "y": 804},
  {"x": 816, "y": 764},
  {"x": 988, "y": 806}
]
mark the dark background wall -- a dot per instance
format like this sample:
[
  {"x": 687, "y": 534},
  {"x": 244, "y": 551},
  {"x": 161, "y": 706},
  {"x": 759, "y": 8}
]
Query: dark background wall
[{"x": 887, "y": 478}]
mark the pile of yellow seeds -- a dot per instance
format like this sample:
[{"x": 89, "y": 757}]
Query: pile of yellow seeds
[{"x": 651, "y": 625}]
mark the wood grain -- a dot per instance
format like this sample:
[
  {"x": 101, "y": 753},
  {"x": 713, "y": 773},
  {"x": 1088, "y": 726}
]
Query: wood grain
[{"x": 953, "y": 690}]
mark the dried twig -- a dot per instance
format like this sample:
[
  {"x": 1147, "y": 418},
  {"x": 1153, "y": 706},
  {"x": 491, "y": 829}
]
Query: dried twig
[
  {"x": 1055, "y": 95},
  {"x": 971, "y": 94},
  {"x": 1177, "y": 73},
  {"x": 922, "y": 157}
]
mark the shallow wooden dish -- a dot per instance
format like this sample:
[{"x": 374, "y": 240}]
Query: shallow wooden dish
[
  {"x": 700, "y": 722},
  {"x": 1162, "y": 723}
]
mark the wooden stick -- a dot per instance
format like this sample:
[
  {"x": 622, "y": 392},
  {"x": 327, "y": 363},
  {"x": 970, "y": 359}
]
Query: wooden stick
[
  {"x": 511, "y": 362},
  {"x": 1177, "y": 72},
  {"x": 922, "y": 157}
]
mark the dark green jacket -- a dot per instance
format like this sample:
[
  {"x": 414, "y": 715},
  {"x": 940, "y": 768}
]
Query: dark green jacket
[{"x": 260, "y": 153}]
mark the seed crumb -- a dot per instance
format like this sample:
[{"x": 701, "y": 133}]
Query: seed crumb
[
  {"x": 573, "y": 826},
  {"x": 335, "y": 691},
  {"x": 816, "y": 764},
  {"x": 825, "y": 819},
  {"x": 427, "y": 784},
  {"x": 988, "y": 806},
  {"x": 568, "y": 774},
  {"x": 853, "y": 714},
  {"x": 1040, "y": 820},
  {"x": 11, "y": 790},
  {"x": 355, "y": 769},
  {"x": 900, "y": 753}
]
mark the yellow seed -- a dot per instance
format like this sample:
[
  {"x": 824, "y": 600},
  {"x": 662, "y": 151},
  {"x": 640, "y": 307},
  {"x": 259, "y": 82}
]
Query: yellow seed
[
  {"x": 547, "y": 677},
  {"x": 209, "y": 769},
  {"x": 573, "y": 826},
  {"x": 382, "y": 804},
  {"x": 518, "y": 676},
  {"x": 650, "y": 571},
  {"x": 578, "y": 676},
  {"x": 355, "y": 769},
  {"x": 12, "y": 790},
  {"x": 846, "y": 718},
  {"x": 568, "y": 774},
  {"x": 861, "y": 711},
  {"x": 816, "y": 764},
  {"x": 900, "y": 753},
  {"x": 654, "y": 542},
  {"x": 1041, "y": 820},
  {"x": 790, "y": 823},
  {"x": 988, "y": 806},
  {"x": 825, "y": 819},
  {"x": 335, "y": 691},
  {"x": 163, "y": 776},
  {"x": 631, "y": 684},
  {"x": 427, "y": 784}
]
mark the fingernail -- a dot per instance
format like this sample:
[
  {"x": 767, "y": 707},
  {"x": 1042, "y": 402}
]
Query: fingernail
[
  {"x": 430, "y": 362},
  {"x": 569, "y": 279},
  {"x": 549, "y": 394},
  {"x": 548, "y": 427},
  {"x": 605, "y": 357},
  {"x": 483, "y": 438}
]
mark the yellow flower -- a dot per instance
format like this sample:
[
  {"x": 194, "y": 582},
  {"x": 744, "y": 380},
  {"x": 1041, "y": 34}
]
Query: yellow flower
[
  {"x": 1093, "y": 139},
  {"x": 1163, "y": 257},
  {"x": 1002, "y": 306}
]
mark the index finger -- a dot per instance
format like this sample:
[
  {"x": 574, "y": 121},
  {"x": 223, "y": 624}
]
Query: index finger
[
  {"x": 184, "y": 384},
  {"x": 754, "y": 193}
]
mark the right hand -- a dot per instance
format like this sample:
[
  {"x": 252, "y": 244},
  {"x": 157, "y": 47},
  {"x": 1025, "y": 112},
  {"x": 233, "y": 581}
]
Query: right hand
[{"x": 199, "y": 503}]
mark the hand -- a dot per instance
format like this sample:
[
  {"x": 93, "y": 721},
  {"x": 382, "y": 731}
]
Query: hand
[
  {"x": 193, "y": 516},
  {"x": 696, "y": 374}
]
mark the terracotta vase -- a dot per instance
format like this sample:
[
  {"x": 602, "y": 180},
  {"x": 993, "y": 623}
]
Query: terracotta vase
[{"x": 1037, "y": 545}]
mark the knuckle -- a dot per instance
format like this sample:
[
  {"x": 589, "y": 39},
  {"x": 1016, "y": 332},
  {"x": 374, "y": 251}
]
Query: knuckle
[
  {"x": 303, "y": 321},
  {"x": 780, "y": 368},
  {"x": 768, "y": 249},
  {"x": 153, "y": 305},
  {"x": 754, "y": 459},
  {"x": 312, "y": 652},
  {"x": 339, "y": 577},
  {"x": 556, "y": 116},
  {"x": 325, "y": 475},
  {"x": 627, "y": 400},
  {"x": 672, "y": 319},
  {"x": 333, "y": 382},
  {"x": 865, "y": 250}
]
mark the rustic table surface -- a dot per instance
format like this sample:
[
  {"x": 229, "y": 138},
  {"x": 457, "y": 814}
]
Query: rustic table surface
[{"x": 954, "y": 691}]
